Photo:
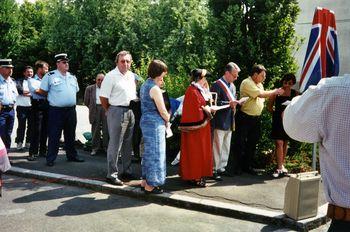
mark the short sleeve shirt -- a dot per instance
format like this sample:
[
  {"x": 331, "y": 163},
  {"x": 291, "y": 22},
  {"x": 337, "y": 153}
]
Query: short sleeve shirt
[
  {"x": 254, "y": 105},
  {"x": 61, "y": 90},
  {"x": 118, "y": 88},
  {"x": 33, "y": 85},
  {"x": 8, "y": 91}
]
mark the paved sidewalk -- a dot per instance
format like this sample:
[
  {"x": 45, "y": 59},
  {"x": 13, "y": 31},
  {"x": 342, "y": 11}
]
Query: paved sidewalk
[{"x": 256, "y": 198}]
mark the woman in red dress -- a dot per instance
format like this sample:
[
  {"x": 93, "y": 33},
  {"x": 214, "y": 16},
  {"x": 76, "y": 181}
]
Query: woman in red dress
[{"x": 196, "y": 161}]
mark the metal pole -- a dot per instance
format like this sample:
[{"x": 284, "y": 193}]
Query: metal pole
[{"x": 314, "y": 148}]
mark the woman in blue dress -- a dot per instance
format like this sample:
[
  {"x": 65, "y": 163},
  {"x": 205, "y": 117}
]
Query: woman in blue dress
[{"x": 153, "y": 124}]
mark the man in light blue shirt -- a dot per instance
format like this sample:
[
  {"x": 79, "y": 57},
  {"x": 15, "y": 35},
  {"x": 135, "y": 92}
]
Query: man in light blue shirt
[
  {"x": 8, "y": 94},
  {"x": 39, "y": 113},
  {"x": 61, "y": 88}
]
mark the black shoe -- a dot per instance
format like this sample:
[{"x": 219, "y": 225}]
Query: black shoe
[
  {"x": 114, "y": 181},
  {"x": 42, "y": 154},
  {"x": 128, "y": 176},
  {"x": 50, "y": 164},
  {"x": 217, "y": 177},
  {"x": 238, "y": 172},
  {"x": 31, "y": 158},
  {"x": 75, "y": 159},
  {"x": 155, "y": 190},
  {"x": 224, "y": 173},
  {"x": 251, "y": 172}
]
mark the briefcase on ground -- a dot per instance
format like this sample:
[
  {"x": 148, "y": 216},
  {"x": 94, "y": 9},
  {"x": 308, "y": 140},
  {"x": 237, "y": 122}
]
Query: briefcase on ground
[{"x": 301, "y": 195}]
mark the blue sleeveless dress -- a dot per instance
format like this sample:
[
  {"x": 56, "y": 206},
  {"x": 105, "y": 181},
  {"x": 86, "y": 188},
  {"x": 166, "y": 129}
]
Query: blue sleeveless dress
[{"x": 153, "y": 132}]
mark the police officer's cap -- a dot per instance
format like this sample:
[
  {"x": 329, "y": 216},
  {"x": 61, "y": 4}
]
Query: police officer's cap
[
  {"x": 61, "y": 56},
  {"x": 6, "y": 63}
]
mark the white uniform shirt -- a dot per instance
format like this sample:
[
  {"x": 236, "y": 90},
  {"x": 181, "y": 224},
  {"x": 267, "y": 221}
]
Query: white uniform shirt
[
  {"x": 118, "y": 88},
  {"x": 321, "y": 115},
  {"x": 21, "y": 99}
]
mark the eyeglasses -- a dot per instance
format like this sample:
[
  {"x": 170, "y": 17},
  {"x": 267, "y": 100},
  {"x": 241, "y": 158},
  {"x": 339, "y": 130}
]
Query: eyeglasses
[
  {"x": 100, "y": 80},
  {"x": 125, "y": 61},
  {"x": 64, "y": 62}
]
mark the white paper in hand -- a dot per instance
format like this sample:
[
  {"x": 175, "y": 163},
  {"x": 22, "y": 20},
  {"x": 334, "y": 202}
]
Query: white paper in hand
[
  {"x": 216, "y": 108},
  {"x": 242, "y": 100},
  {"x": 168, "y": 131}
]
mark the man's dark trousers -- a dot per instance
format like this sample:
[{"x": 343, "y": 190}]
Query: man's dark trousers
[
  {"x": 7, "y": 119},
  {"x": 61, "y": 118},
  {"x": 247, "y": 137},
  {"x": 39, "y": 120},
  {"x": 23, "y": 116}
]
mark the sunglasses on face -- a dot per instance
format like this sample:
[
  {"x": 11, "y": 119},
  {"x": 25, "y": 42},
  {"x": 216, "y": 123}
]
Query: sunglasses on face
[{"x": 64, "y": 62}]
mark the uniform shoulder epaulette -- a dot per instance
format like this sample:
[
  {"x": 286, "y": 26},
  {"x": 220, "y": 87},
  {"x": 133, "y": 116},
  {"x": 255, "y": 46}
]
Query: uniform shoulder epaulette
[{"x": 50, "y": 73}]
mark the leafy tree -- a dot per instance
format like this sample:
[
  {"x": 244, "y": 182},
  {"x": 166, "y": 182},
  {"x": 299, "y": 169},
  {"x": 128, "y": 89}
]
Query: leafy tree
[
  {"x": 9, "y": 28},
  {"x": 31, "y": 43}
]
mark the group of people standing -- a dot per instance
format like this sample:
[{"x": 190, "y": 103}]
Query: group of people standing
[
  {"x": 46, "y": 103},
  {"x": 209, "y": 116}
]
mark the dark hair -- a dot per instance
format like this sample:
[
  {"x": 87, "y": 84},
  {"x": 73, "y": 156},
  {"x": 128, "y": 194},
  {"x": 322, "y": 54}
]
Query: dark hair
[
  {"x": 288, "y": 77},
  {"x": 27, "y": 67},
  {"x": 122, "y": 53},
  {"x": 257, "y": 68},
  {"x": 198, "y": 74},
  {"x": 156, "y": 68},
  {"x": 40, "y": 64}
]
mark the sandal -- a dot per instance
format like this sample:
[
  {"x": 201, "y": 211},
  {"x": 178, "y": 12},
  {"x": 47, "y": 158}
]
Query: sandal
[
  {"x": 155, "y": 190},
  {"x": 198, "y": 183}
]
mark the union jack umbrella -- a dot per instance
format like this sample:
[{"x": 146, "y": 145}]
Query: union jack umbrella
[{"x": 322, "y": 56}]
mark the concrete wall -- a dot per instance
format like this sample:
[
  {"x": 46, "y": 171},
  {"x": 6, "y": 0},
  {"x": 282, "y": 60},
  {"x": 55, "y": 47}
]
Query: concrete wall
[{"x": 303, "y": 27}]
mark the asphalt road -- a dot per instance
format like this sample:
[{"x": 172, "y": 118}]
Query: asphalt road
[{"x": 31, "y": 205}]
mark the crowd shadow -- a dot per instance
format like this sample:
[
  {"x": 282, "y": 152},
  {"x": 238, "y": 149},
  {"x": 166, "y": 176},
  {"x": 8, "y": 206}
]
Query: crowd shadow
[
  {"x": 87, "y": 205},
  {"x": 47, "y": 195}
]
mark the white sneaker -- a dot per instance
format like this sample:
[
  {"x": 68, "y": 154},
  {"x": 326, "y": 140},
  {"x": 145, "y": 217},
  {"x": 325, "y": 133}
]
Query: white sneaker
[
  {"x": 284, "y": 170},
  {"x": 278, "y": 173},
  {"x": 93, "y": 152},
  {"x": 19, "y": 146}
]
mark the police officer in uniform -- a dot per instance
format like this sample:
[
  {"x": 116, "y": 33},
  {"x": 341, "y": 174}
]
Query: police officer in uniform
[
  {"x": 61, "y": 88},
  {"x": 8, "y": 94}
]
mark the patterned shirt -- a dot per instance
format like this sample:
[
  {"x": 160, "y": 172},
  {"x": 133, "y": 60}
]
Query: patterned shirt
[{"x": 321, "y": 115}]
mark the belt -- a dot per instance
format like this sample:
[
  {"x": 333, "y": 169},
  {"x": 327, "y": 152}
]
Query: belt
[
  {"x": 249, "y": 116},
  {"x": 7, "y": 107},
  {"x": 39, "y": 100},
  {"x": 338, "y": 213},
  {"x": 63, "y": 108},
  {"x": 126, "y": 107}
]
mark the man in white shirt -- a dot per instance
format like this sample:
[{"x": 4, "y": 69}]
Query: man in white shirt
[
  {"x": 321, "y": 115},
  {"x": 23, "y": 108},
  {"x": 117, "y": 90}
]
